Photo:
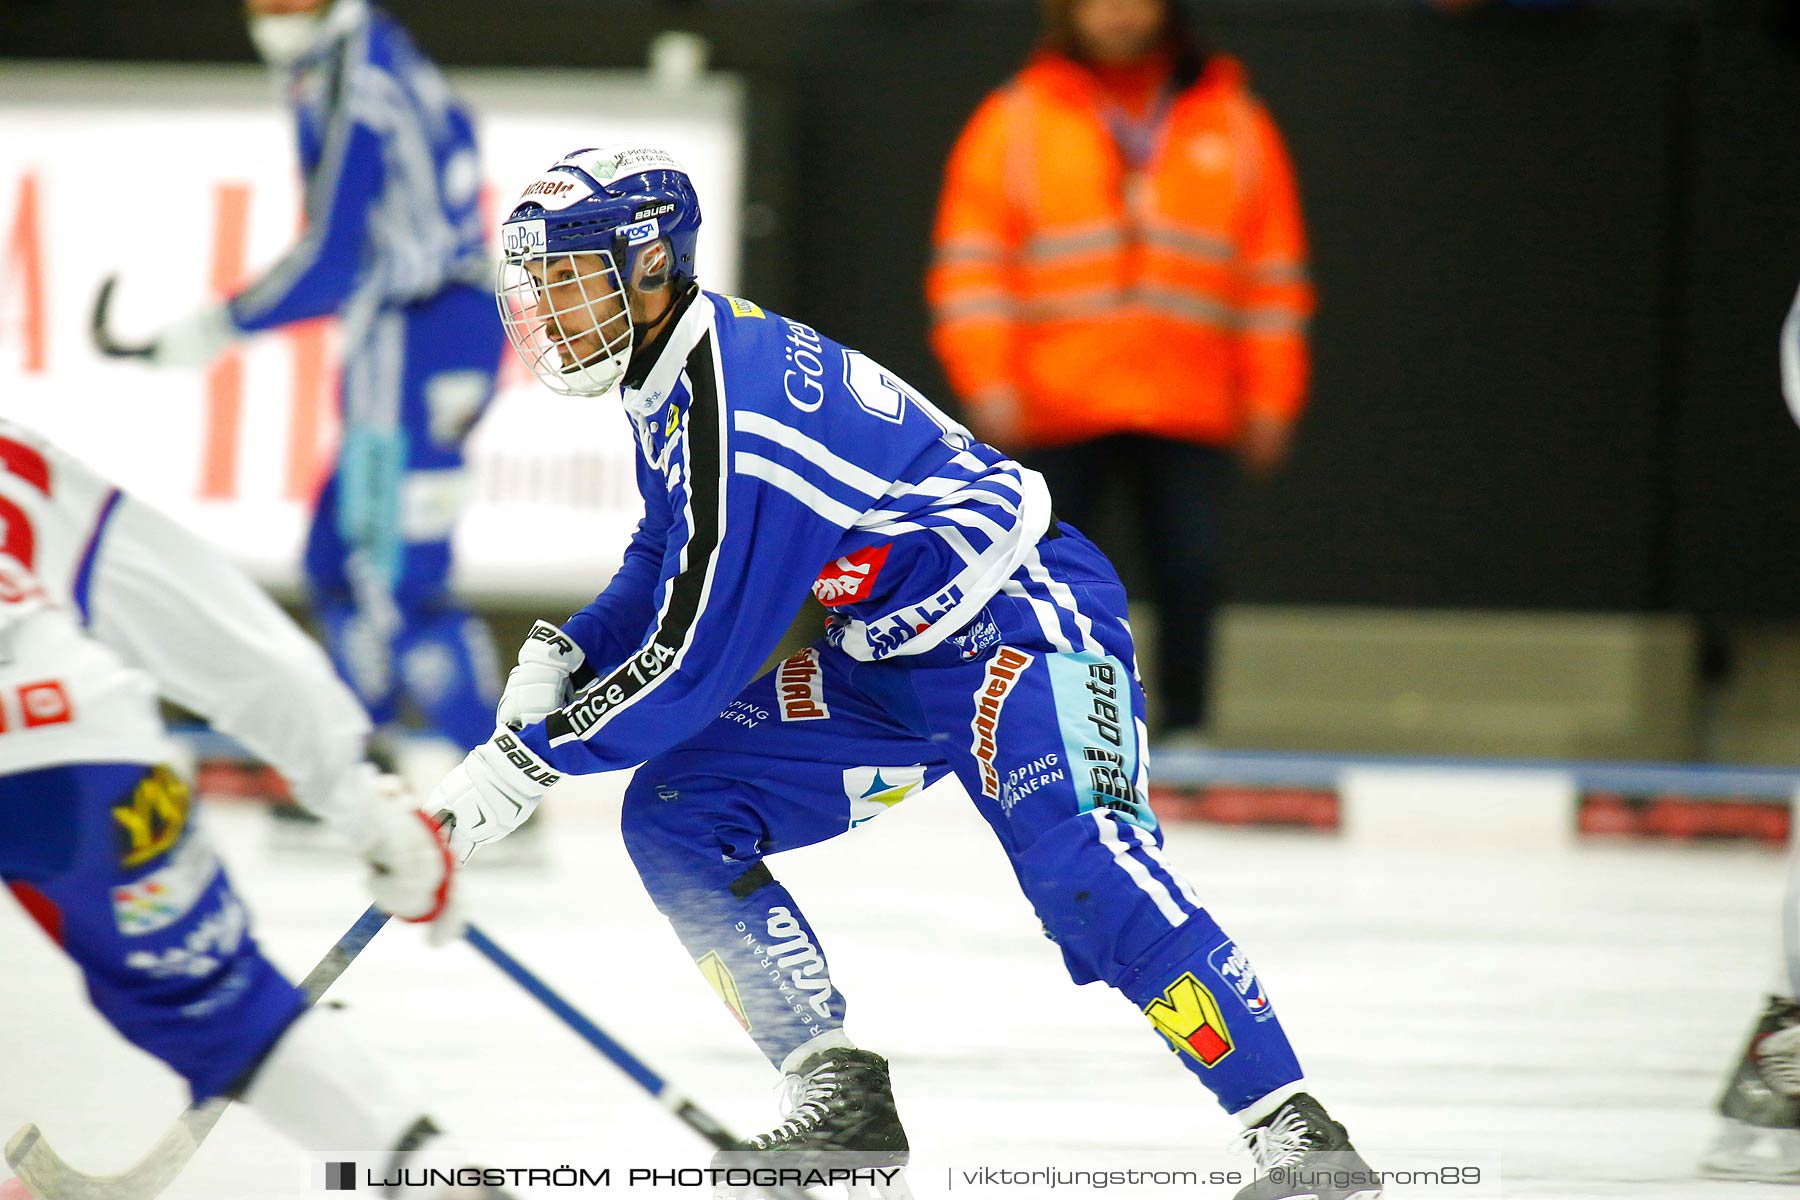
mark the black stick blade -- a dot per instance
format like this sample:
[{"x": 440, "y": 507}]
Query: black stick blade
[{"x": 104, "y": 341}]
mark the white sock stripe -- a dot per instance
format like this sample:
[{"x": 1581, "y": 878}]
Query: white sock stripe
[
  {"x": 1258, "y": 1111},
  {"x": 1140, "y": 874},
  {"x": 1147, "y": 845}
]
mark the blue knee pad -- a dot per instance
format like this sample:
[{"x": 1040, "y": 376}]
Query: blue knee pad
[
  {"x": 147, "y": 912},
  {"x": 702, "y": 865}
]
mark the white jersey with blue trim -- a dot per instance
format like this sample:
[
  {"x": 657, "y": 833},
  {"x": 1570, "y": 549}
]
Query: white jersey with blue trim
[
  {"x": 392, "y": 181},
  {"x": 105, "y": 604},
  {"x": 775, "y": 462}
]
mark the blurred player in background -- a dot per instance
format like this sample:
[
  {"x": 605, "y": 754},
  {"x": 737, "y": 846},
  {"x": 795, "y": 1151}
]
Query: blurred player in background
[
  {"x": 104, "y": 606},
  {"x": 1119, "y": 294},
  {"x": 971, "y": 633},
  {"x": 1759, "y": 1128},
  {"x": 393, "y": 247}
]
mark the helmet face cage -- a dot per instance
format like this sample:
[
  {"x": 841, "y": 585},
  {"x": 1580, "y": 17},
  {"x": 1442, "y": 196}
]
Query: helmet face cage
[{"x": 567, "y": 317}]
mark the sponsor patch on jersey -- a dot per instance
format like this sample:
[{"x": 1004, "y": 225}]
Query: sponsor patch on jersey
[
  {"x": 873, "y": 790},
  {"x": 1189, "y": 1016},
  {"x": 168, "y": 894},
  {"x": 1003, "y": 671},
  {"x": 800, "y": 685},
  {"x": 743, "y": 308},
  {"x": 521, "y": 238},
  {"x": 45, "y": 703},
  {"x": 892, "y": 632},
  {"x": 724, "y": 985},
  {"x": 850, "y": 579},
  {"x": 1233, "y": 967},
  {"x": 639, "y": 232},
  {"x": 151, "y": 822},
  {"x": 977, "y": 637}
]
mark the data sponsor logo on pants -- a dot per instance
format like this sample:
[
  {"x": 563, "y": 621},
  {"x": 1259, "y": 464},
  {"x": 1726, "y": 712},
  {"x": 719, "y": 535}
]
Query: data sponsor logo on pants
[{"x": 1099, "y": 732}]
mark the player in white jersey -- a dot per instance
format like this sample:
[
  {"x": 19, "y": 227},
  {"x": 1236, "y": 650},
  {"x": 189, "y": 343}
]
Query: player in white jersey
[
  {"x": 1759, "y": 1127},
  {"x": 105, "y": 606}
]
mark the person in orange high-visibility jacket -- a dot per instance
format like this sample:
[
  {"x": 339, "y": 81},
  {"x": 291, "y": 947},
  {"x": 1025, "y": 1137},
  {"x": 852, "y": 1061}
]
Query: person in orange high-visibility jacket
[{"x": 1119, "y": 290}]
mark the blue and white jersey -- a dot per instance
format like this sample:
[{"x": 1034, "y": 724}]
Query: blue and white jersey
[
  {"x": 775, "y": 462},
  {"x": 392, "y": 182}
]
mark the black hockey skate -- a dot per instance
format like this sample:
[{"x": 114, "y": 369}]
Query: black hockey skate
[
  {"x": 1759, "y": 1131},
  {"x": 1302, "y": 1152},
  {"x": 841, "y": 1123}
]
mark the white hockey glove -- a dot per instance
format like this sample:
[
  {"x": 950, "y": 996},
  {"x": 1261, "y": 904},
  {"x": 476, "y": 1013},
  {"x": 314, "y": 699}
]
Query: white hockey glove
[
  {"x": 195, "y": 340},
  {"x": 412, "y": 873},
  {"x": 491, "y": 792},
  {"x": 540, "y": 684}
]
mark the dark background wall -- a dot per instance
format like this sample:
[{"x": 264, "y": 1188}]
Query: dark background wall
[{"x": 1553, "y": 253}]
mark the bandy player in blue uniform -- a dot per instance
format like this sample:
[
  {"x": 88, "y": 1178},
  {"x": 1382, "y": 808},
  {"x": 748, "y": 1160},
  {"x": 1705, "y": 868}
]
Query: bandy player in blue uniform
[
  {"x": 393, "y": 247},
  {"x": 971, "y": 634}
]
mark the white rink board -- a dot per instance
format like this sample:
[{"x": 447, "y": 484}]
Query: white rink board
[
  {"x": 145, "y": 171},
  {"x": 1571, "y": 1011}
]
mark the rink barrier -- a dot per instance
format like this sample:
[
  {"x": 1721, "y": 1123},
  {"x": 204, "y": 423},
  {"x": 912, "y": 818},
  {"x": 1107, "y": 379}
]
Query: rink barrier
[
  {"x": 1533, "y": 800},
  {"x": 1493, "y": 800}
]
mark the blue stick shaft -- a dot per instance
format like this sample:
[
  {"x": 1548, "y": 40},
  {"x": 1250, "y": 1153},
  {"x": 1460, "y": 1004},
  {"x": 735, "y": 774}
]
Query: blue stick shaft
[
  {"x": 685, "y": 1110},
  {"x": 591, "y": 1033}
]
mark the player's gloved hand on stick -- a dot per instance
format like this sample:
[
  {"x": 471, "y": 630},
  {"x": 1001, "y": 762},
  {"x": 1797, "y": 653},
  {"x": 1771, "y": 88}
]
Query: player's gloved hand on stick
[
  {"x": 540, "y": 684},
  {"x": 412, "y": 872},
  {"x": 195, "y": 340},
  {"x": 491, "y": 792}
]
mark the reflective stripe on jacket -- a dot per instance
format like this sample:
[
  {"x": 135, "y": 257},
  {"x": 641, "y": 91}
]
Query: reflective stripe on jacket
[{"x": 1172, "y": 303}]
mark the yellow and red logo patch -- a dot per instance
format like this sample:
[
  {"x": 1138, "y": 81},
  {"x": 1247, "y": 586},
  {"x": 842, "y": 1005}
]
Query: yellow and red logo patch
[
  {"x": 1191, "y": 1019},
  {"x": 151, "y": 821},
  {"x": 724, "y": 983}
]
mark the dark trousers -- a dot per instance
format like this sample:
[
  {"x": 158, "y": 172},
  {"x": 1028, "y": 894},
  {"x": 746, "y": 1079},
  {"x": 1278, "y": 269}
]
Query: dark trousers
[{"x": 1175, "y": 493}]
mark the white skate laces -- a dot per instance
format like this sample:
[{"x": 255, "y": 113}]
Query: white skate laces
[
  {"x": 1778, "y": 1057},
  {"x": 1280, "y": 1143},
  {"x": 806, "y": 1099}
]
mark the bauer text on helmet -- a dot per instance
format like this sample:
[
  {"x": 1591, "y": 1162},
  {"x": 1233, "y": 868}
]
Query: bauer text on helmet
[{"x": 591, "y": 251}]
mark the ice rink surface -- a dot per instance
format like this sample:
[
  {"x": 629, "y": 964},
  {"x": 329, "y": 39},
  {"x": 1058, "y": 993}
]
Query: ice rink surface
[{"x": 1566, "y": 1014}]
